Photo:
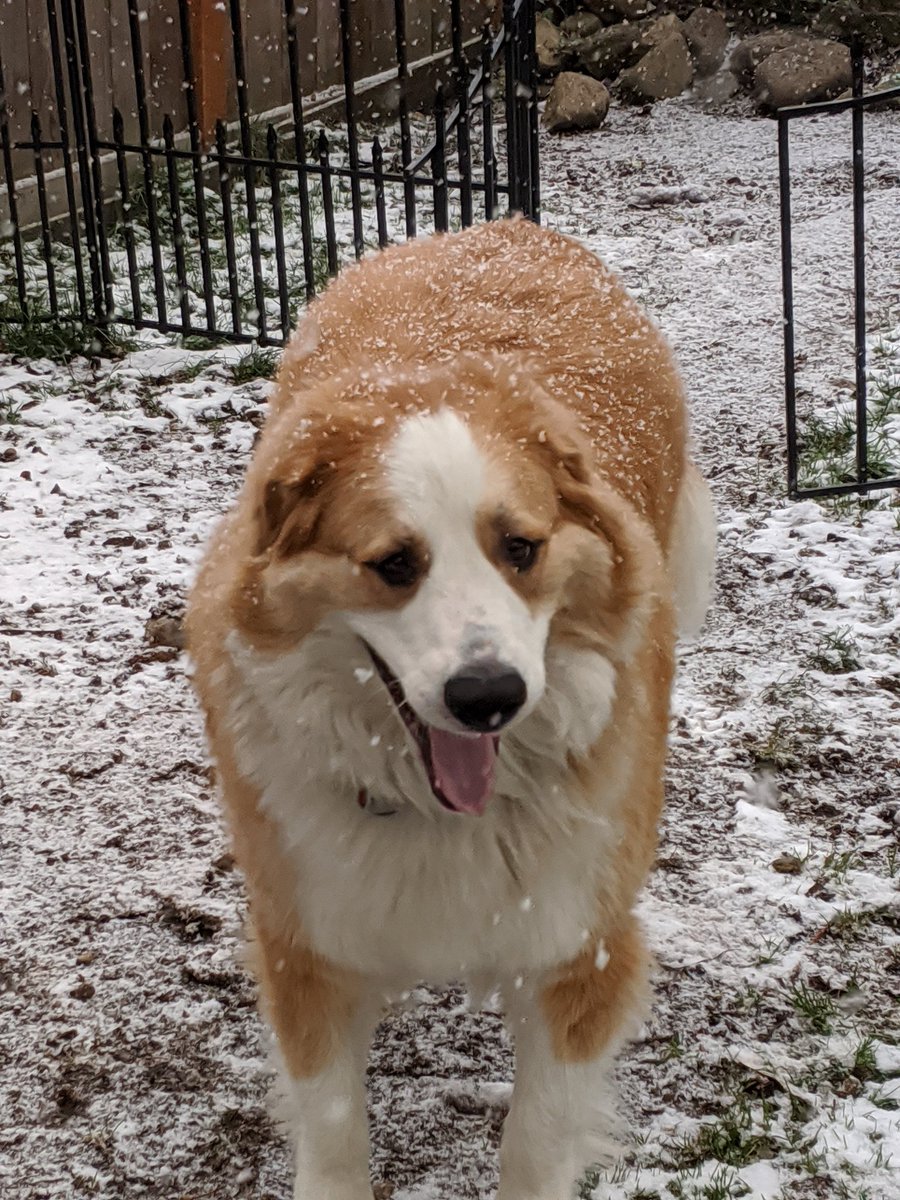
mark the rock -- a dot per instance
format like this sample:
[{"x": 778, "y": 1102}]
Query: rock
[
  {"x": 620, "y": 10},
  {"x": 717, "y": 89},
  {"x": 875, "y": 21},
  {"x": 576, "y": 102},
  {"x": 165, "y": 631},
  {"x": 657, "y": 29},
  {"x": 818, "y": 71},
  {"x": 548, "y": 41},
  {"x": 581, "y": 24},
  {"x": 787, "y": 864},
  {"x": 608, "y": 52},
  {"x": 661, "y": 194},
  {"x": 883, "y": 17},
  {"x": 841, "y": 19},
  {"x": 754, "y": 50},
  {"x": 706, "y": 34},
  {"x": 664, "y": 72}
]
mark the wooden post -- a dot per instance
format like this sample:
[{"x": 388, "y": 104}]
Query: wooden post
[{"x": 210, "y": 40}]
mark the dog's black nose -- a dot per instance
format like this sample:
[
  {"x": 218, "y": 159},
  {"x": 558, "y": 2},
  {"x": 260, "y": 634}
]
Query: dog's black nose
[{"x": 485, "y": 697}]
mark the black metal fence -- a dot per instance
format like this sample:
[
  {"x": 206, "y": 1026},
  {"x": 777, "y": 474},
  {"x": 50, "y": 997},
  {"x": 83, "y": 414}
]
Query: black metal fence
[
  {"x": 229, "y": 240},
  {"x": 860, "y": 477}
]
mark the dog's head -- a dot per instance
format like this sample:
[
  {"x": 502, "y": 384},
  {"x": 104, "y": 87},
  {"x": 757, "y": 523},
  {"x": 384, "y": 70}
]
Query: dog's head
[{"x": 447, "y": 517}]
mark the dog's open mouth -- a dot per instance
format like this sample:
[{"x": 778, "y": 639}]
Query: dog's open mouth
[{"x": 460, "y": 766}]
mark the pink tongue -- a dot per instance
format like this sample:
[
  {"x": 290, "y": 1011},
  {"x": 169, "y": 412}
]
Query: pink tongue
[{"x": 463, "y": 768}]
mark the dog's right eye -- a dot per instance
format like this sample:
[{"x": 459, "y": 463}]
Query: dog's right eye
[{"x": 398, "y": 570}]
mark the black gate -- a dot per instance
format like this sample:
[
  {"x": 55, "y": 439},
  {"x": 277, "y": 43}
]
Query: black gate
[
  {"x": 144, "y": 219},
  {"x": 866, "y": 473}
]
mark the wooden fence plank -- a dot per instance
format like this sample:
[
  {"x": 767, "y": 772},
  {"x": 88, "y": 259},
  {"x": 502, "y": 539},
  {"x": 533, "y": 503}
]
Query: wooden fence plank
[{"x": 211, "y": 48}]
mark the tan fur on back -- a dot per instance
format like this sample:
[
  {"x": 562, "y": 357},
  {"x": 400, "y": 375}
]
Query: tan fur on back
[{"x": 510, "y": 287}]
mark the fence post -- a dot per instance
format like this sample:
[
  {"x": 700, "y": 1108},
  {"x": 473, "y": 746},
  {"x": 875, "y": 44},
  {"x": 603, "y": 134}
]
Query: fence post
[
  {"x": 513, "y": 110},
  {"x": 85, "y": 153},
  {"x": 90, "y": 122},
  {"x": 11, "y": 197},
  {"x": 787, "y": 292},
  {"x": 534, "y": 174},
  {"x": 859, "y": 269}
]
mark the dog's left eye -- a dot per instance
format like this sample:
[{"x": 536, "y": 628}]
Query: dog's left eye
[
  {"x": 520, "y": 552},
  {"x": 399, "y": 570}
]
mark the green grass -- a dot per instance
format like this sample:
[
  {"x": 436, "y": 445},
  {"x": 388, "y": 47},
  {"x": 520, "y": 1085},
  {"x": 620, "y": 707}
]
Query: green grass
[
  {"x": 771, "y": 948},
  {"x": 816, "y": 1008},
  {"x": 10, "y": 411},
  {"x": 836, "y": 654},
  {"x": 778, "y": 746},
  {"x": 738, "y": 1136},
  {"x": 255, "y": 364},
  {"x": 190, "y": 371},
  {"x": 673, "y": 1049},
  {"x": 849, "y": 926},
  {"x": 838, "y": 864},
  {"x": 827, "y": 444},
  {"x": 60, "y": 338},
  {"x": 864, "y": 1067},
  {"x": 788, "y": 688},
  {"x": 196, "y": 341},
  {"x": 724, "y": 1184}
]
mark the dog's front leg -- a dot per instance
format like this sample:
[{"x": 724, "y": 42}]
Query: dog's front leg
[
  {"x": 567, "y": 1028},
  {"x": 323, "y": 1019}
]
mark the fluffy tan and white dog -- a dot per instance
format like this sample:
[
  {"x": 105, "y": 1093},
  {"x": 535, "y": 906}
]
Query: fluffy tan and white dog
[{"x": 434, "y": 643}]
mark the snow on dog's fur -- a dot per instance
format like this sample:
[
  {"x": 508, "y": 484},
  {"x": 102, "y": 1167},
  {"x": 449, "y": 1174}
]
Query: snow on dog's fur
[{"x": 434, "y": 641}]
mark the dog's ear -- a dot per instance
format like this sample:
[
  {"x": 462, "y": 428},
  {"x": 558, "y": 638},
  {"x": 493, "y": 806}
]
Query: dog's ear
[
  {"x": 582, "y": 495},
  {"x": 613, "y": 592},
  {"x": 566, "y": 452},
  {"x": 288, "y": 510}
]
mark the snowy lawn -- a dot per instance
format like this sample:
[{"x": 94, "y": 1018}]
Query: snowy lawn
[{"x": 134, "y": 1064}]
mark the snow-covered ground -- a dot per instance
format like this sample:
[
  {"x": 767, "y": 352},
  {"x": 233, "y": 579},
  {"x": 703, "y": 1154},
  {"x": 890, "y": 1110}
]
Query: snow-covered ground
[{"x": 133, "y": 1059}]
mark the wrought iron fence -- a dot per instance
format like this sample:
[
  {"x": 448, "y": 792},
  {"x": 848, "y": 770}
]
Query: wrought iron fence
[
  {"x": 146, "y": 219},
  {"x": 860, "y": 478}
]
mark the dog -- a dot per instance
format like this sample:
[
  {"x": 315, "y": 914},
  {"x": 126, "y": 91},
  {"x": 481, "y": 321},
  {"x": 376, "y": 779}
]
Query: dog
[{"x": 434, "y": 644}]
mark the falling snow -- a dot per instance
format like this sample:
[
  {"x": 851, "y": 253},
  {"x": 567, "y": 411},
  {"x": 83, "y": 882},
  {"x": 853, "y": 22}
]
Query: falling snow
[{"x": 134, "y": 1062}]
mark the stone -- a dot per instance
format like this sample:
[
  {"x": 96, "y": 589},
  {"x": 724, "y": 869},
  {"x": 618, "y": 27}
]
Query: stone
[
  {"x": 548, "y": 41},
  {"x": 706, "y": 34},
  {"x": 877, "y": 22},
  {"x": 165, "y": 631},
  {"x": 576, "y": 102},
  {"x": 818, "y": 71},
  {"x": 717, "y": 89},
  {"x": 657, "y": 29},
  {"x": 840, "y": 20},
  {"x": 620, "y": 10},
  {"x": 664, "y": 72},
  {"x": 608, "y": 52},
  {"x": 883, "y": 17},
  {"x": 754, "y": 50},
  {"x": 581, "y": 24},
  {"x": 787, "y": 864}
]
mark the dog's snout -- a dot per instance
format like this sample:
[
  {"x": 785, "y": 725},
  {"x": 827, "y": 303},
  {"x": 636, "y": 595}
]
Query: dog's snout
[{"x": 485, "y": 697}]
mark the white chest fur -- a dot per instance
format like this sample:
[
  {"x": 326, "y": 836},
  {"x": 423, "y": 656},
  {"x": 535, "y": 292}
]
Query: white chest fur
[{"x": 423, "y": 893}]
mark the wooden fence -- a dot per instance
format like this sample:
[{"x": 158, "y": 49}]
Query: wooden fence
[
  {"x": 136, "y": 49},
  {"x": 26, "y": 53}
]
